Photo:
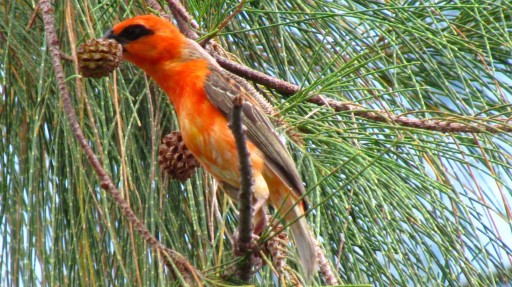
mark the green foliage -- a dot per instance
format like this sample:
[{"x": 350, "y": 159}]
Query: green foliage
[{"x": 393, "y": 205}]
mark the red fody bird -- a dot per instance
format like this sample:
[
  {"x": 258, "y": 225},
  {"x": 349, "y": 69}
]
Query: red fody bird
[{"x": 202, "y": 97}]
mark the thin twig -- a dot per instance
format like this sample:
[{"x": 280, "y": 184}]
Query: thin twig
[
  {"x": 156, "y": 6},
  {"x": 245, "y": 194},
  {"x": 186, "y": 23},
  {"x": 33, "y": 17},
  {"x": 66, "y": 57},
  {"x": 258, "y": 77},
  {"x": 224, "y": 23},
  {"x": 172, "y": 259}
]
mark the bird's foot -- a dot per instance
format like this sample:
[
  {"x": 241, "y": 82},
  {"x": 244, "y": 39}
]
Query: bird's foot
[{"x": 240, "y": 249}]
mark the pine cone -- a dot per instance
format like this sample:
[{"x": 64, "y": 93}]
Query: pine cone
[
  {"x": 175, "y": 159},
  {"x": 99, "y": 57},
  {"x": 278, "y": 248}
]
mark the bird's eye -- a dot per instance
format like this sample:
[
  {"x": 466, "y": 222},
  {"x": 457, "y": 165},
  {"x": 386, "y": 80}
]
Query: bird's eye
[{"x": 134, "y": 32}]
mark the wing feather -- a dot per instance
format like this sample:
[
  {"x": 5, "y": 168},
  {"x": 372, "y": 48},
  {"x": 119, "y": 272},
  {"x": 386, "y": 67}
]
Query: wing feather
[{"x": 220, "y": 90}]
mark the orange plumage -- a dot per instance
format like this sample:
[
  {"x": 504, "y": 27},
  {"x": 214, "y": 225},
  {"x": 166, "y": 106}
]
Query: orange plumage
[{"x": 201, "y": 94}]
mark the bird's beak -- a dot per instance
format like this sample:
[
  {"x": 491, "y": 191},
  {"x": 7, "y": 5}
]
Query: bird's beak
[{"x": 110, "y": 35}]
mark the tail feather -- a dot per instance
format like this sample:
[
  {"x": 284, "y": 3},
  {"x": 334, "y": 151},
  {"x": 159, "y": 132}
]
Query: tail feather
[
  {"x": 305, "y": 245},
  {"x": 291, "y": 207}
]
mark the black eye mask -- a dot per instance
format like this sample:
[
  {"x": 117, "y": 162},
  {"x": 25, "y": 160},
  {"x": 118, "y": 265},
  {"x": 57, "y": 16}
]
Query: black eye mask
[{"x": 129, "y": 34}]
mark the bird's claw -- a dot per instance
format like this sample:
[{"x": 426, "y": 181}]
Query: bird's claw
[{"x": 252, "y": 247}]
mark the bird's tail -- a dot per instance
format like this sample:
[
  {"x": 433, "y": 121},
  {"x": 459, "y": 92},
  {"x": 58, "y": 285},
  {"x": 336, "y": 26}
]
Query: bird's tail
[
  {"x": 291, "y": 211},
  {"x": 305, "y": 245}
]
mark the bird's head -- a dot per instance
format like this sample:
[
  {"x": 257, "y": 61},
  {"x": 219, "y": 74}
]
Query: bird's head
[{"x": 148, "y": 40}]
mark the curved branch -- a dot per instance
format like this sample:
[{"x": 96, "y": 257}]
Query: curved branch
[{"x": 172, "y": 259}]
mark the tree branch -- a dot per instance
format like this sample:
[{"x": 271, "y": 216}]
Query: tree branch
[
  {"x": 245, "y": 194},
  {"x": 172, "y": 259},
  {"x": 258, "y": 77}
]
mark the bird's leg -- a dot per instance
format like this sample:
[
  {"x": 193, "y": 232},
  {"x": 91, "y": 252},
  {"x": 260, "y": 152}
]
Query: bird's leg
[{"x": 259, "y": 216}]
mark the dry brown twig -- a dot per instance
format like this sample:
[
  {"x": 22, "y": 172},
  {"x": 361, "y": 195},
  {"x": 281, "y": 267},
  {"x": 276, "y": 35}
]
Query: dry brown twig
[
  {"x": 172, "y": 259},
  {"x": 33, "y": 17}
]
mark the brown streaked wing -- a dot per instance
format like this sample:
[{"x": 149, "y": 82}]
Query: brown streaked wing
[{"x": 220, "y": 90}]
